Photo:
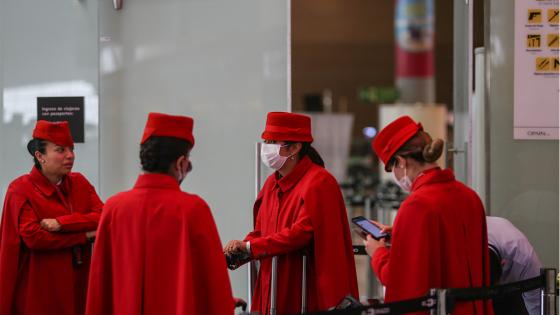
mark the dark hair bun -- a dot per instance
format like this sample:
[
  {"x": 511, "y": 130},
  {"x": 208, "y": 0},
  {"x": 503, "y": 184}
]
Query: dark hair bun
[
  {"x": 31, "y": 147},
  {"x": 35, "y": 145},
  {"x": 432, "y": 151}
]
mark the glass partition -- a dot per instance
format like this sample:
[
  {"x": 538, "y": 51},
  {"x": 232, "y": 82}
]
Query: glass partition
[
  {"x": 222, "y": 62},
  {"x": 523, "y": 174}
]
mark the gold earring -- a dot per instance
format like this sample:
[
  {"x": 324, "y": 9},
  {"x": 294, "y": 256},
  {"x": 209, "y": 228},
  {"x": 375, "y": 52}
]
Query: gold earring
[{"x": 43, "y": 161}]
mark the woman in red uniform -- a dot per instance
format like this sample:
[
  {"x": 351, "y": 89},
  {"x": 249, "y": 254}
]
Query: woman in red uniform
[
  {"x": 439, "y": 235},
  {"x": 49, "y": 217},
  {"x": 299, "y": 209},
  {"x": 158, "y": 250}
]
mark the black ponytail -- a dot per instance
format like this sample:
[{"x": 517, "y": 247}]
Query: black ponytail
[{"x": 307, "y": 149}]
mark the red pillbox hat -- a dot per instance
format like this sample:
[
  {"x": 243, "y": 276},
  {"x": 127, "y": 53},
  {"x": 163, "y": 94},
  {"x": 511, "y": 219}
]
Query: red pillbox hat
[
  {"x": 393, "y": 136},
  {"x": 282, "y": 126},
  {"x": 164, "y": 125},
  {"x": 56, "y": 132}
]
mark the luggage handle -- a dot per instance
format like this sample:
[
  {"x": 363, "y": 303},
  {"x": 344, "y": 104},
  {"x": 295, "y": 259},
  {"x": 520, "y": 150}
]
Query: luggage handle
[{"x": 274, "y": 285}]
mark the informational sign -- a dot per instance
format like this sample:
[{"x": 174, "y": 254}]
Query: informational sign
[
  {"x": 68, "y": 108},
  {"x": 537, "y": 69}
]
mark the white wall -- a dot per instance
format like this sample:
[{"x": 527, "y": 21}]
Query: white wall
[{"x": 47, "y": 48}]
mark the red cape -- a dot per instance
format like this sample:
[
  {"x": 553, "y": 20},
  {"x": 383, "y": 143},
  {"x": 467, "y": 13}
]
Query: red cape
[
  {"x": 10, "y": 244},
  {"x": 158, "y": 252},
  {"x": 331, "y": 266},
  {"x": 36, "y": 272},
  {"x": 439, "y": 241}
]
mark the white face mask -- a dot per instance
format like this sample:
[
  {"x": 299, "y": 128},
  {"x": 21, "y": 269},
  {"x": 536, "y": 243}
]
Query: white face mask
[
  {"x": 404, "y": 183},
  {"x": 270, "y": 155}
]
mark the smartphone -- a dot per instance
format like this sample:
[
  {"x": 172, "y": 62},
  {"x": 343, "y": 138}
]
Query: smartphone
[{"x": 367, "y": 227}]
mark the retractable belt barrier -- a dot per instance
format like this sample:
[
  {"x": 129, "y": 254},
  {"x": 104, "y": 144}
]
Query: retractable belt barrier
[
  {"x": 470, "y": 294},
  {"x": 442, "y": 301},
  {"x": 402, "y": 307}
]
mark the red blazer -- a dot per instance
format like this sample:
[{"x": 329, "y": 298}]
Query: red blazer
[
  {"x": 36, "y": 271},
  {"x": 439, "y": 241},
  {"x": 302, "y": 212},
  {"x": 158, "y": 252}
]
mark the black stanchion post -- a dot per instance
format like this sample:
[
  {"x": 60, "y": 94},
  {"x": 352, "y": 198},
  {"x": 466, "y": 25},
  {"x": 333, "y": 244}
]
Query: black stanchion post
[{"x": 549, "y": 304}]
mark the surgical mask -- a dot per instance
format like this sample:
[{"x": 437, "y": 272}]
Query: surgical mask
[
  {"x": 270, "y": 155},
  {"x": 404, "y": 183}
]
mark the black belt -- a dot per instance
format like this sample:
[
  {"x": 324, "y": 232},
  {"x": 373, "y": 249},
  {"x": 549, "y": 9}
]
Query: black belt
[{"x": 429, "y": 302}]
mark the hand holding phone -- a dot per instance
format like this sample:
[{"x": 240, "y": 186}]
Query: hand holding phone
[{"x": 368, "y": 227}]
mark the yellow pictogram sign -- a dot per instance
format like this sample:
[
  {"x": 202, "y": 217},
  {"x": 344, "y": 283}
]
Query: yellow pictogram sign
[
  {"x": 552, "y": 40},
  {"x": 542, "y": 64},
  {"x": 555, "y": 64},
  {"x": 533, "y": 40},
  {"x": 534, "y": 16},
  {"x": 552, "y": 16}
]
